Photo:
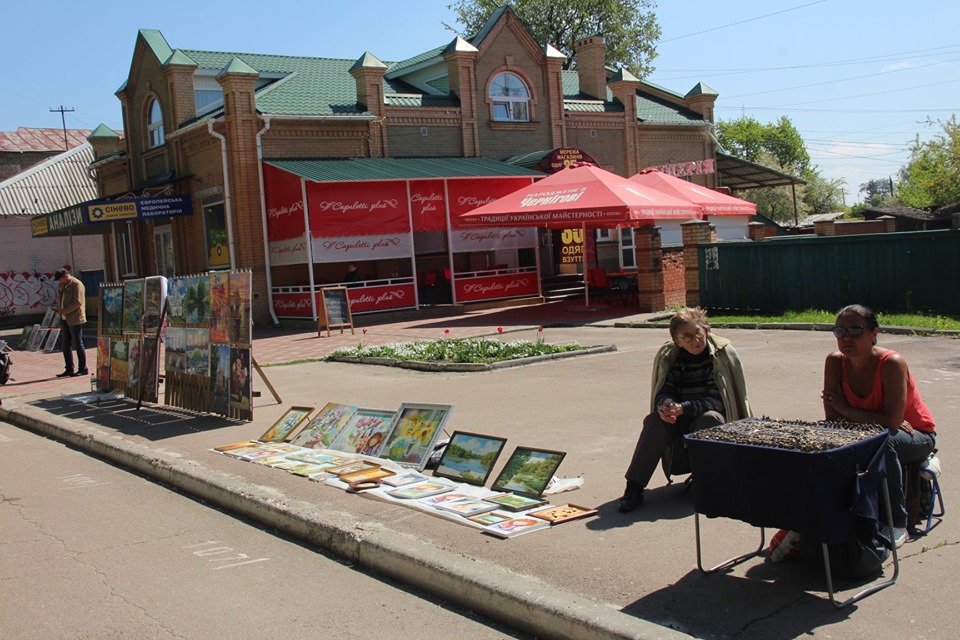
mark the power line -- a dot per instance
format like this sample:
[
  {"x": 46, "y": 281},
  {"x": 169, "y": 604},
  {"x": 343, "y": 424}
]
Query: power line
[{"x": 734, "y": 24}]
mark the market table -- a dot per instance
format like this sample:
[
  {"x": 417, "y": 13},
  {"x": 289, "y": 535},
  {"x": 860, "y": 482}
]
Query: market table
[{"x": 820, "y": 494}]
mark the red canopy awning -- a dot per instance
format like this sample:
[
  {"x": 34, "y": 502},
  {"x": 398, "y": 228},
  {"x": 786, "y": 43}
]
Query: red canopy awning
[
  {"x": 581, "y": 196},
  {"x": 713, "y": 202}
]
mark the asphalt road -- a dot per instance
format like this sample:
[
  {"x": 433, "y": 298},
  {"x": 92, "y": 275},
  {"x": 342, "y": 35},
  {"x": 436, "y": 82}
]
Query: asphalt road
[{"x": 91, "y": 551}]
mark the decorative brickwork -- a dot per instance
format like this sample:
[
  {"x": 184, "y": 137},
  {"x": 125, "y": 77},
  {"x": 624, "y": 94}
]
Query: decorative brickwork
[
  {"x": 649, "y": 268},
  {"x": 674, "y": 278}
]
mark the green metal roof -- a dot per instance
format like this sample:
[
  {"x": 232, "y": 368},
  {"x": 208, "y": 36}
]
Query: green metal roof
[
  {"x": 650, "y": 109},
  {"x": 366, "y": 169}
]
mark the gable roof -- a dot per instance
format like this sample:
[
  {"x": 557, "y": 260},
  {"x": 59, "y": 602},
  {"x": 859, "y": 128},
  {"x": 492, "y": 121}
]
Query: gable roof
[
  {"x": 26, "y": 139},
  {"x": 307, "y": 86},
  {"x": 55, "y": 184}
]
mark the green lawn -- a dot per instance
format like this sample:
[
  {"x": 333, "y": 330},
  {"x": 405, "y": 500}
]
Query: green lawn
[{"x": 816, "y": 316}]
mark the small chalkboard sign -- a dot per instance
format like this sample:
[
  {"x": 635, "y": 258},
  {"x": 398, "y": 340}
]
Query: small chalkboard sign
[{"x": 335, "y": 310}]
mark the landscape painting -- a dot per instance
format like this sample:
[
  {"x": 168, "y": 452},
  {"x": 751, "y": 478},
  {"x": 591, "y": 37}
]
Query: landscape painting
[
  {"x": 469, "y": 457},
  {"x": 528, "y": 471}
]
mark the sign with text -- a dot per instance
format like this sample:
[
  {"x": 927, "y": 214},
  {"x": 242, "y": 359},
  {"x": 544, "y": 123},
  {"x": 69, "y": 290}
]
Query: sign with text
[
  {"x": 356, "y": 248},
  {"x": 102, "y": 211},
  {"x": 494, "y": 287},
  {"x": 382, "y": 298},
  {"x": 358, "y": 208},
  {"x": 472, "y": 193},
  {"x": 428, "y": 206},
  {"x": 462, "y": 240},
  {"x": 571, "y": 246},
  {"x": 286, "y": 224}
]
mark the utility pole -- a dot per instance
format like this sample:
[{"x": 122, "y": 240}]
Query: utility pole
[{"x": 63, "y": 118}]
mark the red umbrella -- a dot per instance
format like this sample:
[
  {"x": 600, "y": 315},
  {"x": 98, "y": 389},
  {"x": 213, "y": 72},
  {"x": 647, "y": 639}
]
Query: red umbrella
[
  {"x": 713, "y": 202},
  {"x": 584, "y": 195}
]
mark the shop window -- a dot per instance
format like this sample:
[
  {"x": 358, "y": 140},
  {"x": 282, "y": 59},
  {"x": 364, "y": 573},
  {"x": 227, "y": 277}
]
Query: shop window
[
  {"x": 155, "y": 136},
  {"x": 510, "y": 98},
  {"x": 215, "y": 228},
  {"x": 605, "y": 235},
  {"x": 628, "y": 253}
]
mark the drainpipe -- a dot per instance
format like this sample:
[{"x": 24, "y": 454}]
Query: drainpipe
[
  {"x": 228, "y": 209},
  {"x": 263, "y": 220}
]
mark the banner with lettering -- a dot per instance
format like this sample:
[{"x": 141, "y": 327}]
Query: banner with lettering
[
  {"x": 495, "y": 287},
  {"x": 286, "y": 227},
  {"x": 428, "y": 208},
  {"x": 470, "y": 193},
  {"x": 381, "y": 298},
  {"x": 342, "y": 209},
  {"x": 356, "y": 248},
  {"x": 462, "y": 240}
]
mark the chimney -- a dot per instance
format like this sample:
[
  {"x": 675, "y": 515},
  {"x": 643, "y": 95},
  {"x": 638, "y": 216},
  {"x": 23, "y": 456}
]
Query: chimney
[{"x": 591, "y": 66}]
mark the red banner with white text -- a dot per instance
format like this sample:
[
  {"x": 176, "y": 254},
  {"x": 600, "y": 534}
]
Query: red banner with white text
[
  {"x": 470, "y": 193},
  {"x": 494, "y": 287},
  {"x": 428, "y": 207},
  {"x": 286, "y": 226},
  {"x": 358, "y": 208}
]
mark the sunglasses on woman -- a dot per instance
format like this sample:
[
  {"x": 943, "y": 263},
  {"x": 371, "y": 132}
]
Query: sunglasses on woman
[{"x": 853, "y": 331}]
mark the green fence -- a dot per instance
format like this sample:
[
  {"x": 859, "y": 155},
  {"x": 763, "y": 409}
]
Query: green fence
[{"x": 917, "y": 271}]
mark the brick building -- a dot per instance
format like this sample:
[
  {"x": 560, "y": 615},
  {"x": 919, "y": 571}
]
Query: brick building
[{"x": 258, "y": 142}]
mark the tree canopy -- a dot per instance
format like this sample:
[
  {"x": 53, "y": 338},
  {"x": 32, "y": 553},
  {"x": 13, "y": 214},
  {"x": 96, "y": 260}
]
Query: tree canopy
[
  {"x": 749, "y": 139},
  {"x": 931, "y": 178},
  {"x": 629, "y": 27}
]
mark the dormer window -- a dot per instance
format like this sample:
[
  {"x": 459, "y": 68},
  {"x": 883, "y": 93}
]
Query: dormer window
[
  {"x": 155, "y": 125},
  {"x": 510, "y": 97}
]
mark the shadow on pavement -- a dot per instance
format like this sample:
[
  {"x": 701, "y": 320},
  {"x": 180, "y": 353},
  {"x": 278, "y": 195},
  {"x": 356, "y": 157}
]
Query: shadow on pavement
[
  {"x": 152, "y": 422},
  {"x": 696, "y": 604}
]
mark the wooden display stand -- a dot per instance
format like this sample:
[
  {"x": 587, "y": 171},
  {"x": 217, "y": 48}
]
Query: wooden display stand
[{"x": 335, "y": 310}]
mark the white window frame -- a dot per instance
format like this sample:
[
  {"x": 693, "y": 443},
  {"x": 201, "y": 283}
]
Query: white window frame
[
  {"x": 155, "y": 137},
  {"x": 123, "y": 248},
  {"x": 509, "y": 102},
  {"x": 628, "y": 249}
]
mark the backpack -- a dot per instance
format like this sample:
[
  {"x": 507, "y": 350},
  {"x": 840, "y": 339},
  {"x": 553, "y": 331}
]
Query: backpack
[{"x": 5, "y": 364}]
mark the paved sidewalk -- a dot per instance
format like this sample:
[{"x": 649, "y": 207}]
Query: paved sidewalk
[{"x": 612, "y": 576}]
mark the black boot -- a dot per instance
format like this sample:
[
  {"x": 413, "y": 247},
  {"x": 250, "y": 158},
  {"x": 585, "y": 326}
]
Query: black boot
[{"x": 632, "y": 497}]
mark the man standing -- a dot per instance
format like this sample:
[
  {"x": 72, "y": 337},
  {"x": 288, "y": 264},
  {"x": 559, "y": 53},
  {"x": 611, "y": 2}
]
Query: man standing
[{"x": 71, "y": 305}]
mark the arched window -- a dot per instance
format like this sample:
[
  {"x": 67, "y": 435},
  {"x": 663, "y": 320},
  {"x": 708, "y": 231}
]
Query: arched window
[
  {"x": 155, "y": 125},
  {"x": 510, "y": 97}
]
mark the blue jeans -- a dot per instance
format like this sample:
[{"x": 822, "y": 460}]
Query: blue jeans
[
  {"x": 902, "y": 448},
  {"x": 73, "y": 339}
]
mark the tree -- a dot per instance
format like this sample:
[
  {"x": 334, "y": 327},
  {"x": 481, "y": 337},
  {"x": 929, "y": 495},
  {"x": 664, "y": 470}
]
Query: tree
[
  {"x": 876, "y": 191},
  {"x": 629, "y": 27},
  {"x": 821, "y": 195},
  {"x": 748, "y": 139},
  {"x": 931, "y": 178}
]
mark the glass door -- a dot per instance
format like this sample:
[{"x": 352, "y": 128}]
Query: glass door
[{"x": 163, "y": 245}]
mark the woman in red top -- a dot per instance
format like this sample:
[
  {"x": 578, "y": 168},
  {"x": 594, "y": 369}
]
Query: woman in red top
[{"x": 871, "y": 385}]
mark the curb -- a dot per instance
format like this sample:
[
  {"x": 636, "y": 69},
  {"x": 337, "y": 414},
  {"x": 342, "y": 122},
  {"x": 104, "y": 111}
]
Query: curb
[
  {"x": 519, "y": 600},
  {"x": 795, "y": 326}
]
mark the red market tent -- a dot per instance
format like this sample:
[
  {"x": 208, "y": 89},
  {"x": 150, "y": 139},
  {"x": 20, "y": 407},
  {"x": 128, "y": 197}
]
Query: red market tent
[
  {"x": 582, "y": 196},
  {"x": 713, "y": 202}
]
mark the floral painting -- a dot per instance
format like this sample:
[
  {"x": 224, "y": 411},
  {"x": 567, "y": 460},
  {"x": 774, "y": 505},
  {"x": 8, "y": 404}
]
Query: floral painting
[
  {"x": 364, "y": 432},
  {"x": 414, "y": 434}
]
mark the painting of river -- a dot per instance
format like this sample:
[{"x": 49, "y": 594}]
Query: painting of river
[{"x": 469, "y": 457}]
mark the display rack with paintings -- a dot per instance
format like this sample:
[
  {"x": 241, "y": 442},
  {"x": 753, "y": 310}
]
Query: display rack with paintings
[{"x": 209, "y": 361}]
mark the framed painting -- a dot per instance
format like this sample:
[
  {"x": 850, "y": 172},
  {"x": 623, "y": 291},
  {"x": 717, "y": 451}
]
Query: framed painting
[
  {"x": 353, "y": 466},
  {"x": 491, "y": 517},
  {"x": 132, "y": 306},
  {"x": 284, "y": 426},
  {"x": 111, "y": 310},
  {"x": 516, "y": 527},
  {"x": 514, "y": 502},
  {"x": 469, "y": 457},
  {"x": 366, "y": 475},
  {"x": 405, "y": 478},
  {"x": 363, "y": 432},
  {"x": 563, "y": 513},
  {"x": 50, "y": 343},
  {"x": 420, "y": 490},
  {"x": 528, "y": 471},
  {"x": 324, "y": 427},
  {"x": 466, "y": 507},
  {"x": 36, "y": 338},
  {"x": 414, "y": 433}
]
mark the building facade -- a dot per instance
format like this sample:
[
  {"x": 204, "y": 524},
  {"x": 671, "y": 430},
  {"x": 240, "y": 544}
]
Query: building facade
[{"x": 241, "y": 134}]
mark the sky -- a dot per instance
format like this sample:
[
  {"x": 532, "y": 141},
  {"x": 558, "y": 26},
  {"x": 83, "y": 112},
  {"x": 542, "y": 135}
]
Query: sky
[{"x": 859, "y": 79}]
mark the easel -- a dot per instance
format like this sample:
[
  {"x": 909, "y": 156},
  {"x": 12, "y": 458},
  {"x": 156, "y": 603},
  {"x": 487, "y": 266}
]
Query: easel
[{"x": 334, "y": 310}]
